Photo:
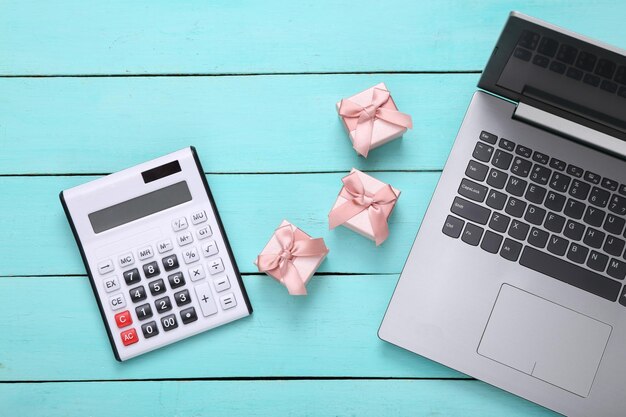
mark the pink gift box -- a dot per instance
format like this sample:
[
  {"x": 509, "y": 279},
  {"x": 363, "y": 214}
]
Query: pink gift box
[
  {"x": 382, "y": 130},
  {"x": 305, "y": 265},
  {"x": 360, "y": 223}
]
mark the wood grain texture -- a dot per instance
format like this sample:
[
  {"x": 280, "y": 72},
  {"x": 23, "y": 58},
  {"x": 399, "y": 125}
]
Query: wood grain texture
[
  {"x": 251, "y": 207},
  {"x": 238, "y": 124},
  {"x": 147, "y": 37},
  {"x": 266, "y": 398},
  {"x": 52, "y": 330}
]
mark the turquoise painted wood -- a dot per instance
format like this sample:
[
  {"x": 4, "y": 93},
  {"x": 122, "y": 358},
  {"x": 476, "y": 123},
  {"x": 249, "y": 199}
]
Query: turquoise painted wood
[
  {"x": 268, "y": 398},
  {"x": 148, "y": 37},
  {"x": 238, "y": 124},
  {"x": 251, "y": 206}
]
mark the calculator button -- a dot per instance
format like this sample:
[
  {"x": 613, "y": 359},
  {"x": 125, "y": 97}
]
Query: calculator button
[
  {"x": 111, "y": 284},
  {"x": 184, "y": 238},
  {"x": 197, "y": 273},
  {"x": 205, "y": 299},
  {"x": 143, "y": 311},
  {"x": 188, "y": 315},
  {"x": 164, "y": 246},
  {"x": 198, "y": 217},
  {"x": 182, "y": 298},
  {"x": 169, "y": 322},
  {"x": 129, "y": 337},
  {"x": 126, "y": 259},
  {"x": 151, "y": 270},
  {"x": 228, "y": 301},
  {"x": 163, "y": 304},
  {"x": 204, "y": 232},
  {"x": 216, "y": 266},
  {"x": 209, "y": 248},
  {"x": 221, "y": 284},
  {"x": 105, "y": 267},
  {"x": 132, "y": 276},
  {"x": 138, "y": 294},
  {"x": 179, "y": 224},
  {"x": 157, "y": 287},
  {"x": 145, "y": 253},
  {"x": 117, "y": 301},
  {"x": 149, "y": 329},
  {"x": 176, "y": 280},
  {"x": 123, "y": 319},
  {"x": 191, "y": 255},
  {"x": 170, "y": 262}
]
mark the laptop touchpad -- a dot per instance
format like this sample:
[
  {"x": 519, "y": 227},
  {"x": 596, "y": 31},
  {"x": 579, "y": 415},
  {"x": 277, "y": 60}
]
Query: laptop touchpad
[{"x": 544, "y": 340}]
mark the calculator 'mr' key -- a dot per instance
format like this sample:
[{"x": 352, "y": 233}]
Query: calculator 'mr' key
[{"x": 148, "y": 256}]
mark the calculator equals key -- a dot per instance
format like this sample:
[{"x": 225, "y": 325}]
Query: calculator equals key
[{"x": 167, "y": 287}]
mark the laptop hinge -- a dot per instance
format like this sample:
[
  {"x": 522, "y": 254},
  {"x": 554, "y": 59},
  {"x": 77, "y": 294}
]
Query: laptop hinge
[{"x": 570, "y": 130}]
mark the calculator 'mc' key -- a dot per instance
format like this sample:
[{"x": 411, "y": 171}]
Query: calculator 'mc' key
[
  {"x": 163, "y": 304},
  {"x": 205, "y": 299},
  {"x": 176, "y": 280},
  {"x": 126, "y": 259},
  {"x": 149, "y": 329},
  {"x": 151, "y": 270},
  {"x": 170, "y": 262},
  {"x": 182, "y": 298},
  {"x": 143, "y": 311},
  {"x": 169, "y": 322},
  {"x": 188, "y": 315}
]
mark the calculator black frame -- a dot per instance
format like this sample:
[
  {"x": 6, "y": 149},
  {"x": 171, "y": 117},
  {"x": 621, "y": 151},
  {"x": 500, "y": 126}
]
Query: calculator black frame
[{"x": 219, "y": 224}]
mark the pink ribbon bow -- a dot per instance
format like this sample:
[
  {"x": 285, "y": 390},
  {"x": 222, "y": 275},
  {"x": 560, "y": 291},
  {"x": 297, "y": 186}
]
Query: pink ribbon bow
[
  {"x": 362, "y": 140},
  {"x": 378, "y": 206},
  {"x": 280, "y": 265}
]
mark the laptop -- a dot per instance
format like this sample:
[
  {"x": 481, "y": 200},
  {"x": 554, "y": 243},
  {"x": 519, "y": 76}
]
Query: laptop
[{"x": 516, "y": 276}]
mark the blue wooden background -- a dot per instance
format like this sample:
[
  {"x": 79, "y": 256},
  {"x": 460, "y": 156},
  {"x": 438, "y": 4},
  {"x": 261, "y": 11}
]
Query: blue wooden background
[{"x": 88, "y": 88}]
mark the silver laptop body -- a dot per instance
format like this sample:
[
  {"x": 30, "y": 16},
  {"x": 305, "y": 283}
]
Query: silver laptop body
[{"x": 516, "y": 276}]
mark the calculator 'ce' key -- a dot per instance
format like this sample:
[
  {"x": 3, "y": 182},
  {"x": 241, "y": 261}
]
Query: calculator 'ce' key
[
  {"x": 117, "y": 301},
  {"x": 151, "y": 270},
  {"x": 129, "y": 337}
]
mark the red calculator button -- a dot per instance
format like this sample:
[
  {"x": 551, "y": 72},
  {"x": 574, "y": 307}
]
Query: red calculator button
[
  {"x": 129, "y": 337},
  {"x": 123, "y": 319}
]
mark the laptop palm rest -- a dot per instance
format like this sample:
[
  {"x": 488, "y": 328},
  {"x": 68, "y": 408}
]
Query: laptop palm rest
[{"x": 545, "y": 340}]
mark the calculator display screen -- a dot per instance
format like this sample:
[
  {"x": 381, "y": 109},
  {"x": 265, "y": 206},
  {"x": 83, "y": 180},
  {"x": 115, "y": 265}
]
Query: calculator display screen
[{"x": 139, "y": 207}]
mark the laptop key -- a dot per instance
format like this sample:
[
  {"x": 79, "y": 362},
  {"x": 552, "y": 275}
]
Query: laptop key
[
  {"x": 554, "y": 223},
  {"x": 453, "y": 227},
  {"x": 592, "y": 177},
  {"x": 506, "y": 144},
  {"x": 515, "y": 207},
  {"x": 575, "y": 171},
  {"x": 472, "y": 190},
  {"x": 470, "y": 211},
  {"x": 554, "y": 201},
  {"x": 594, "y": 238},
  {"x": 542, "y": 158},
  {"x": 535, "y": 194},
  {"x": 609, "y": 184},
  {"x": 577, "y": 253},
  {"x": 534, "y": 215},
  {"x": 523, "y": 151},
  {"x": 617, "y": 205},
  {"x": 538, "y": 237},
  {"x": 482, "y": 152},
  {"x": 557, "y": 245},
  {"x": 557, "y": 164},
  {"x": 488, "y": 137},
  {"x": 499, "y": 222},
  {"x": 472, "y": 234},
  {"x": 510, "y": 249},
  {"x": 496, "y": 178},
  {"x": 560, "y": 182},
  {"x": 570, "y": 273},
  {"x": 614, "y": 246},
  {"x": 540, "y": 175},
  {"x": 574, "y": 230},
  {"x": 502, "y": 159},
  {"x": 516, "y": 186},
  {"x": 616, "y": 269},
  {"x": 491, "y": 242},
  {"x": 521, "y": 167},
  {"x": 579, "y": 189},
  {"x": 574, "y": 209},
  {"x": 594, "y": 216},
  {"x": 599, "y": 197},
  {"x": 597, "y": 261},
  {"x": 518, "y": 230},
  {"x": 496, "y": 200},
  {"x": 476, "y": 171},
  {"x": 622, "y": 189},
  {"x": 614, "y": 224}
]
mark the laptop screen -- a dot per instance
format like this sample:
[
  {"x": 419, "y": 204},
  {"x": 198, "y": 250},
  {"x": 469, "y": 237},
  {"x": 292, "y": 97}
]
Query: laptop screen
[{"x": 560, "y": 72}]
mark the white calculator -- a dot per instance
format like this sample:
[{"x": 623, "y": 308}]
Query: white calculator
[{"x": 158, "y": 259}]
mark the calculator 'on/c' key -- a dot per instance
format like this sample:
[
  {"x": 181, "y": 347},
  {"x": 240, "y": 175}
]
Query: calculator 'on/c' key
[{"x": 156, "y": 253}]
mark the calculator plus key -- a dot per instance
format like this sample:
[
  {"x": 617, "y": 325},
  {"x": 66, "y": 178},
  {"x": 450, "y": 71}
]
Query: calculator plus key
[
  {"x": 151, "y": 270},
  {"x": 205, "y": 299},
  {"x": 170, "y": 262}
]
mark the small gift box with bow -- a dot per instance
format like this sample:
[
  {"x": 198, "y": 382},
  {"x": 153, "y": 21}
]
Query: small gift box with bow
[
  {"x": 372, "y": 119},
  {"x": 364, "y": 205},
  {"x": 292, "y": 257}
]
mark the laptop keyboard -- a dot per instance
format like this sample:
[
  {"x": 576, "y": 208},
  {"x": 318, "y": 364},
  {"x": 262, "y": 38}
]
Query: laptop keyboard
[{"x": 544, "y": 213}]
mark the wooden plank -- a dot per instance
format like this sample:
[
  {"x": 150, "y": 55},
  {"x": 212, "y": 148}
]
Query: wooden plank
[
  {"x": 265, "y": 398},
  {"x": 39, "y": 240},
  {"x": 52, "y": 330},
  {"x": 147, "y": 37},
  {"x": 238, "y": 124}
]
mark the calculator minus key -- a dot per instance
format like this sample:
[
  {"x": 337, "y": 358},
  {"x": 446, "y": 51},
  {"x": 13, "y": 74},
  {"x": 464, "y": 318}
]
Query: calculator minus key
[
  {"x": 105, "y": 267},
  {"x": 205, "y": 299},
  {"x": 198, "y": 217},
  {"x": 221, "y": 284}
]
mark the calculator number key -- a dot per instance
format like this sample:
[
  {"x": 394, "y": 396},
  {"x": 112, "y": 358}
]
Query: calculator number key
[
  {"x": 163, "y": 304},
  {"x": 143, "y": 311},
  {"x": 157, "y": 287},
  {"x": 216, "y": 266},
  {"x": 179, "y": 224},
  {"x": 131, "y": 276},
  {"x": 169, "y": 322},
  {"x": 198, "y": 217},
  {"x": 138, "y": 294},
  {"x": 151, "y": 270},
  {"x": 117, "y": 301},
  {"x": 204, "y": 232},
  {"x": 170, "y": 262},
  {"x": 182, "y": 298},
  {"x": 188, "y": 315},
  {"x": 176, "y": 280},
  {"x": 191, "y": 255},
  {"x": 209, "y": 248},
  {"x": 129, "y": 337},
  {"x": 123, "y": 319},
  {"x": 149, "y": 329}
]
